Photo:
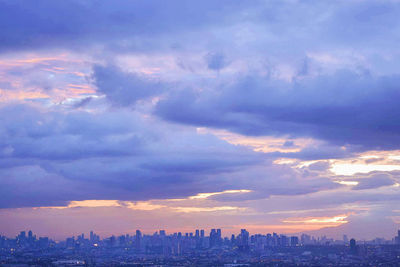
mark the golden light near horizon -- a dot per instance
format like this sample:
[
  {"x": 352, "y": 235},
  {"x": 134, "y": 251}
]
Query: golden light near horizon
[
  {"x": 335, "y": 220},
  {"x": 296, "y": 225},
  {"x": 350, "y": 183},
  {"x": 348, "y": 169},
  {"x": 260, "y": 144},
  {"x": 383, "y": 161},
  {"x": 206, "y": 209},
  {"x": 207, "y": 195},
  {"x": 151, "y": 205},
  {"x": 94, "y": 203}
]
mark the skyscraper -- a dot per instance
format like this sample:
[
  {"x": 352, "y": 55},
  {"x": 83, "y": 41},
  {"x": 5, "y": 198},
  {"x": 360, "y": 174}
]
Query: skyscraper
[
  {"x": 294, "y": 241},
  {"x": 22, "y": 235},
  {"x": 353, "y": 246},
  {"x": 91, "y": 237},
  {"x": 213, "y": 238},
  {"x": 244, "y": 240},
  {"x": 138, "y": 239},
  {"x": 219, "y": 237},
  {"x": 345, "y": 239},
  {"x": 397, "y": 238}
]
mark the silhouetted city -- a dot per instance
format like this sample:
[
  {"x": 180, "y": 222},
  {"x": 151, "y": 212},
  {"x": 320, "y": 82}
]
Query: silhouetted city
[{"x": 197, "y": 249}]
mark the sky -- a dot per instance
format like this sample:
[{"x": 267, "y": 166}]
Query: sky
[{"x": 274, "y": 116}]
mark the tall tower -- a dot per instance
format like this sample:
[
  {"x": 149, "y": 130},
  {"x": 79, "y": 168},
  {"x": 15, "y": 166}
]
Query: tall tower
[
  {"x": 244, "y": 240},
  {"x": 213, "y": 238},
  {"x": 353, "y": 246},
  {"x": 398, "y": 237},
  {"x": 345, "y": 239},
  {"x": 138, "y": 239}
]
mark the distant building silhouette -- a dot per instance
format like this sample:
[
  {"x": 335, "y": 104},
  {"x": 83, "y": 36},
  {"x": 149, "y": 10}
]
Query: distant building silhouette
[
  {"x": 138, "y": 239},
  {"x": 294, "y": 241},
  {"x": 243, "y": 242},
  {"x": 345, "y": 239},
  {"x": 353, "y": 246}
]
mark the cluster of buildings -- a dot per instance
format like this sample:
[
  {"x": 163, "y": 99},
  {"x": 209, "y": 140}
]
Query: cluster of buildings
[{"x": 181, "y": 249}]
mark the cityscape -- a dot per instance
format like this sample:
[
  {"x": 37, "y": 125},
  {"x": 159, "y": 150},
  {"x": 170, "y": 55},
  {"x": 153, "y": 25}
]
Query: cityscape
[
  {"x": 197, "y": 249},
  {"x": 211, "y": 133}
]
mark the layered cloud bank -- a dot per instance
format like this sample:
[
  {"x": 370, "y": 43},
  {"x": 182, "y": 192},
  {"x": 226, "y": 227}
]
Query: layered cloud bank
[{"x": 273, "y": 116}]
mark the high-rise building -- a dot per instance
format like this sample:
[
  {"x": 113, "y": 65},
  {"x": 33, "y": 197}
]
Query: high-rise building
[
  {"x": 284, "y": 241},
  {"x": 213, "y": 238},
  {"x": 398, "y": 236},
  {"x": 138, "y": 239},
  {"x": 91, "y": 237},
  {"x": 243, "y": 242},
  {"x": 219, "y": 237},
  {"x": 294, "y": 241},
  {"x": 353, "y": 246},
  {"x": 22, "y": 235},
  {"x": 201, "y": 233},
  {"x": 345, "y": 239},
  {"x": 305, "y": 239}
]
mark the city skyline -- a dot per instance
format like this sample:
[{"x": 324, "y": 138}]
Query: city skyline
[
  {"x": 270, "y": 116},
  {"x": 196, "y": 248},
  {"x": 213, "y": 233}
]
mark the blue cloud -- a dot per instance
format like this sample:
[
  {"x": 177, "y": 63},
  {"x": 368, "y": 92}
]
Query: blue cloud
[
  {"x": 343, "y": 108},
  {"x": 122, "y": 88}
]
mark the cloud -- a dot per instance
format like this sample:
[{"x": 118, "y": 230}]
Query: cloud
[
  {"x": 119, "y": 154},
  {"x": 375, "y": 180},
  {"x": 102, "y": 100},
  {"x": 110, "y": 155},
  {"x": 216, "y": 61},
  {"x": 122, "y": 88},
  {"x": 344, "y": 108},
  {"x": 83, "y": 24},
  {"x": 256, "y": 26}
]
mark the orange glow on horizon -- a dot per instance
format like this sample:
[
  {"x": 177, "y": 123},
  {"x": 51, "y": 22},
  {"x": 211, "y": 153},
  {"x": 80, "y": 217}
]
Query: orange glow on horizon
[
  {"x": 206, "y": 195},
  {"x": 259, "y": 144},
  {"x": 150, "y": 205},
  {"x": 335, "y": 220}
]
